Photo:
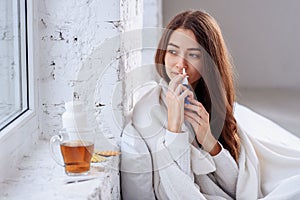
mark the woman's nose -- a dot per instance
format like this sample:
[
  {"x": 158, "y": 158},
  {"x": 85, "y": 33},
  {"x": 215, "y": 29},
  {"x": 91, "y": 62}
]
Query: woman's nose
[{"x": 181, "y": 63}]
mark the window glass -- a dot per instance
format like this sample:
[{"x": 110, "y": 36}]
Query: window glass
[{"x": 13, "y": 68}]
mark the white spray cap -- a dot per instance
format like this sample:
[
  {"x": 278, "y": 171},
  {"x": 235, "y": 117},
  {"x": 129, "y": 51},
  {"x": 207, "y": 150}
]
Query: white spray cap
[{"x": 185, "y": 80}]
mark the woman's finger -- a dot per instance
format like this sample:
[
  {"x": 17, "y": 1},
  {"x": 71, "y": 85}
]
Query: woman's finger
[
  {"x": 195, "y": 117},
  {"x": 197, "y": 109},
  {"x": 180, "y": 89},
  {"x": 187, "y": 93},
  {"x": 175, "y": 81},
  {"x": 200, "y": 105},
  {"x": 195, "y": 102},
  {"x": 194, "y": 124},
  {"x": 190, "y": 119}
]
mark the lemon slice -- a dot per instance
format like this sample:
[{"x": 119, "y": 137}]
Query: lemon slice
[
  {"x": 97, "y": 158},
  {"x": 107, "y": 153}
]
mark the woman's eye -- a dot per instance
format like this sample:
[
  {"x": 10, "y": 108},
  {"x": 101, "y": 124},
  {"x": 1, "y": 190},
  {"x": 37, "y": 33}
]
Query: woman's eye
[
  {"x": 172, "y": 51},
  {"x": 194, "y": 55}
]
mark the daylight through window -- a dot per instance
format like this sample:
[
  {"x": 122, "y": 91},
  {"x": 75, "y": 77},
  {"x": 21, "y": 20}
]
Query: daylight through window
[{"x": 13, "y": 61}]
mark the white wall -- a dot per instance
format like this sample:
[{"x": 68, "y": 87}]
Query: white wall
[
  {"x": 69, "y": 32},
  {"x": 262, "y": 36},
  {"x": 152, "y": 13}
]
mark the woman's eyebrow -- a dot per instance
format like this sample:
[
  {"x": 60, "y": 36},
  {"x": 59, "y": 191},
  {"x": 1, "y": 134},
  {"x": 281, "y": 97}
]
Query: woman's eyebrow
[
  {"x": 174, "y": 45},
  {"x": 194, "y": 49},
  {"x": 189, "y": 49}
]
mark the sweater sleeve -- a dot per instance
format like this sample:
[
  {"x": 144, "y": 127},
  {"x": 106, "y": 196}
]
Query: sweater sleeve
[
  {"x": 173, "y": 164},
  {"x": 178, "y": 147},
  {"x": 135, "y": 166},
  {"x": 226, "y": 171}
]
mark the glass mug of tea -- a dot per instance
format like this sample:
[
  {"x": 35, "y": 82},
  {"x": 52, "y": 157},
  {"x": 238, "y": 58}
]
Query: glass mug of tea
[{"x": 76, "y": 147}]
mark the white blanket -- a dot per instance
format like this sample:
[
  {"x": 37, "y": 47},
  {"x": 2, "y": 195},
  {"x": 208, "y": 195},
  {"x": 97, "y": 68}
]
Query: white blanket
[{"x": 269, "y": 163}]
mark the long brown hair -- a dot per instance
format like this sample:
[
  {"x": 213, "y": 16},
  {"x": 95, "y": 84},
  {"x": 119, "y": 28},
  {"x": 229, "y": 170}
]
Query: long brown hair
[{"x": 215, "y": 89}]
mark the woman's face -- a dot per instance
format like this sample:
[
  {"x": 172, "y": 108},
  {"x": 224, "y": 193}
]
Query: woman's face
[{"x": 183, "y": 51}]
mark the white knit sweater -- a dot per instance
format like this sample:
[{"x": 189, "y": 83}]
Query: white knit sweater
[{"x": 226, "y": 172}]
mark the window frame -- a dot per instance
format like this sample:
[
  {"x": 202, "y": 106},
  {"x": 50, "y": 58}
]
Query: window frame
[
  {"x": 26, "y": 120},
  {"x": 20, "y": 49}
]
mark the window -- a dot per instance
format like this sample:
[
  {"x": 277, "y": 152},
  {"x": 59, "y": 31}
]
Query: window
[{"x": 13, "y": 61}]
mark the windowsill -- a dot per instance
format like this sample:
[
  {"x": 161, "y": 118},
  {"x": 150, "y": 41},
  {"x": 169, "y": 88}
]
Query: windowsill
[
  {"x": 39, "y": 177},
  {"x": 16, "y": 140},
  {"x": 17, "y": 124}
]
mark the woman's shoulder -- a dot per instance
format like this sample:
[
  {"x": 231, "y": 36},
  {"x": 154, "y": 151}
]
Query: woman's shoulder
[
  {"x": 148, "y": 104},
  {"x": 143, "y": 91},
  {"x": 146, "y": 96}
]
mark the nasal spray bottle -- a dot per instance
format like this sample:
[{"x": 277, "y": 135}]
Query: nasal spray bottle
[{"x": 185, "y": 82}]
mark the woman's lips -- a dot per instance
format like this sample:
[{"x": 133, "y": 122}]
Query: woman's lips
[{"x": 176, "y": 73}]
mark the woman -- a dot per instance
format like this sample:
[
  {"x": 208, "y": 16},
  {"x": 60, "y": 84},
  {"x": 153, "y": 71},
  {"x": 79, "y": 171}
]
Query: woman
[{"x": 183, "y": 141}]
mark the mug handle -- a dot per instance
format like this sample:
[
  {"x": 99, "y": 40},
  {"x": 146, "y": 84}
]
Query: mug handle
[{"x": 53, "y": 140}]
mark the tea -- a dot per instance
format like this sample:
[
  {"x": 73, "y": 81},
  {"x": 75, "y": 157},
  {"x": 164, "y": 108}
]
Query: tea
[{"x": 77, "y": 156}]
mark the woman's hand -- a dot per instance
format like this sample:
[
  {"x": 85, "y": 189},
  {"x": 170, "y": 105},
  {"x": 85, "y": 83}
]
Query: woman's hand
[
  {"x": 175, "y": 103},
  {"x": 198, "y": 117}
]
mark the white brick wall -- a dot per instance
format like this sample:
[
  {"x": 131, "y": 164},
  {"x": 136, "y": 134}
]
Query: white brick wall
[{"x": 68, "y": 32}]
